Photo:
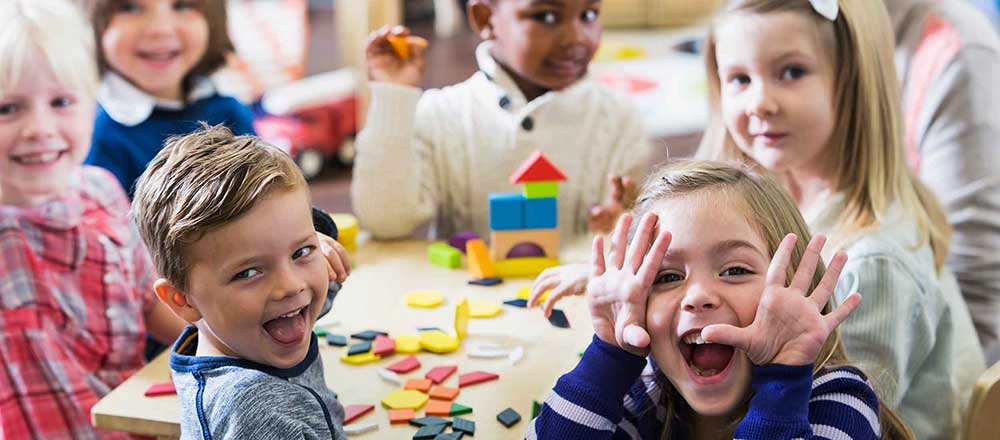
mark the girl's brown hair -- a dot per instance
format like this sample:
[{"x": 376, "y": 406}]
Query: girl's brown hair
[
  {"x": 772, "y": 213},
  {"x": 219, "y": 44},
  {"x": 870, "y": 170}
]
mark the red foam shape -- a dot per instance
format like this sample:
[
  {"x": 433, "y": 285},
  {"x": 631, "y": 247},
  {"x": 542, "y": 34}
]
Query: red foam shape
[
  {"x": 537, "y": 169},
  {"x": 476, "y": 377},
  {"x": 383, "y": 345},
  {"x": 352, "y": 412},
  {"x": 439, "y": 374},
  {"x": 160, "y": 389},
  {"x": 405, "y": 366}
]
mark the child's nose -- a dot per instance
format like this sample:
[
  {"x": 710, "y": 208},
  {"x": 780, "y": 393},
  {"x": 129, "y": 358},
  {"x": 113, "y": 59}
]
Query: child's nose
[
  {"x": 41, "y": 124},
  {"x": 289, "y": 283},
  {"x": 699, "y": 298},
  {"x": 761, "y": 101}
]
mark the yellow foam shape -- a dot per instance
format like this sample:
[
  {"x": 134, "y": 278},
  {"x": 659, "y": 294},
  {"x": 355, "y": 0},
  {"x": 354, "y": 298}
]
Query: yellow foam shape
[
  {"x": 402, "y": 44},
  {"x": 480, "y": 263},
  {"x": 436, "y": 341},
  {"x": 524, "y": 267},
  {"x": 462, "y": 319},
  {"x": 484, "y": 309},
  {"x": 360, "y": 358},
  {"x": 408, "y": 344},
  {"x": 347, "y": 230},
  {"x": 424, "y": 298},
  {"x": 525, "y": 294},
  {"x": 403, "y": 399}
]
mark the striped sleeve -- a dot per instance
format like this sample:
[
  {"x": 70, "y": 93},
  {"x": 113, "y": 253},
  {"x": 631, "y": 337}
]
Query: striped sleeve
[
  {"x": 588, "y": 401},
  {"x": 789, "y": 403}
]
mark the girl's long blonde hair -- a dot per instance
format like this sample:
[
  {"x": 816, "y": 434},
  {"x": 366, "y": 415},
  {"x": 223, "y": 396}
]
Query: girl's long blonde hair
[
  {"x": 772, "y": 213},
  {"x": 870, "y": 171}
]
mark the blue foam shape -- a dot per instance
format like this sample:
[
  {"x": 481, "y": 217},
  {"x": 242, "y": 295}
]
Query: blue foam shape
[
  {"x": 506, "y": 211},
  {"x": 541, "y": 213}
]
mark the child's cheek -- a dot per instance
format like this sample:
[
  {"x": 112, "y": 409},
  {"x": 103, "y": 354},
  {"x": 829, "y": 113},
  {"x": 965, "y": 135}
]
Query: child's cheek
[{"x": 660, "y": 316}]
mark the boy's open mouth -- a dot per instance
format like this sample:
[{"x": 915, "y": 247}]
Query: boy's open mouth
[
  {"x": 288, "y": 328},
  {"x": 704, "y": 359},
  {"x": 42, "y": 158}
]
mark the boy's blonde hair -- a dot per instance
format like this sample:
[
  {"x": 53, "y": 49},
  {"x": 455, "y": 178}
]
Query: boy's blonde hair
[
  {"x": 870, "y": 170},
  {"x": 772, "y": 213},
  {"x": 202, "y": 181},
  {"x": 57, "y": 31}
]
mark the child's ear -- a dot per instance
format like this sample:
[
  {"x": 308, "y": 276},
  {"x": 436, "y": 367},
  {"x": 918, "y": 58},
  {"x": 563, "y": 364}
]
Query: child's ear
[
  {"x": 177, "y": 300},
  {"x": 480, "y": 12}
]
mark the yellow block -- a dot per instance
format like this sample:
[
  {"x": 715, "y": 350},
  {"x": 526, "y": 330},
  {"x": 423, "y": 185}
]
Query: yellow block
[
  {"x": 480, "y": 263},
  {"x": 423, "y": 298},
  {"x": 347, "y": 230},
  {"x": 525, "y": 294},
  {"x": 361, "y": 358},
  {"x": 524, "y": 267},
  {"x": 436, "y": 341},
  {"x": 484, "y": 309},
  {"x": 402, "y": 399},
  {"x": 408, "y": 344},
  {"x": 462, "y": 319}
]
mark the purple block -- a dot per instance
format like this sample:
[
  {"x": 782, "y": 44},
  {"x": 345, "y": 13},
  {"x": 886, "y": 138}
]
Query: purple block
[
  {"x": 526, "y": 250},
  {"x": 458, "y": 240}
]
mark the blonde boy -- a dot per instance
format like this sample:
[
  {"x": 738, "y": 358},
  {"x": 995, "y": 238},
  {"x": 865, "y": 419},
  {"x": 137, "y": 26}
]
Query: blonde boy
[{"x": 228, "y": 222}]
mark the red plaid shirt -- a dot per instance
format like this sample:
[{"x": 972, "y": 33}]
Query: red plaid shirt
[{"x": 75, "y": 282}]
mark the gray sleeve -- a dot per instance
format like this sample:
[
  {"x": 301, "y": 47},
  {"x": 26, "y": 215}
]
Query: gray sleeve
[
  {"x": 958, "y": 137},
  {"x": 270, "y": 410}
]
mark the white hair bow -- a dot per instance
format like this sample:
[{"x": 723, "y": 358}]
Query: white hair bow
[{"x": 826, "y": 8}]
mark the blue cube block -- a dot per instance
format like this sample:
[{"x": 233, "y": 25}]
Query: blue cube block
[
  {"x": 541, "y": 213},
  {"x": 506, "y": 211}
]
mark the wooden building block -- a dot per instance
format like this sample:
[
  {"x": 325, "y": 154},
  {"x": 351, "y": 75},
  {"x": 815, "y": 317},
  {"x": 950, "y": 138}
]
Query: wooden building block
[
  {"x": 524, "y": 267},
  {"x": 506, "y": 211},
  {"x": 537, "y": 190},
  {"x": 541, "y": 213},
  {"x": 501, "y": 242},
  {"x": 480, "y": 263},
  {"x": 443, "y": 255}
]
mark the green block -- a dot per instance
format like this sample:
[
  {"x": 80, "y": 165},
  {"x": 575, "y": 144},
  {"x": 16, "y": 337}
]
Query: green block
[
  {"x": 541, "y": 190},
  {"x": 535, "y": 409},
  {"x": 321, "y": 332},
  {"x": 459, "y": 409},
  {"x": 444, "y": 255}
]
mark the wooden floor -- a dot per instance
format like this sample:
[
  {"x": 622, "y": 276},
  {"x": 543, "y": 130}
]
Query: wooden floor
[{"x": 450, "y": 60}]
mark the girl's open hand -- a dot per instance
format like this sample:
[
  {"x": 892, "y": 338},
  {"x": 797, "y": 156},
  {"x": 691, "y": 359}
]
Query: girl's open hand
[
  {"x": 790, "y": 327},
  {"x": 617, "y": 291},
  {"x": 394, "y": 56}
]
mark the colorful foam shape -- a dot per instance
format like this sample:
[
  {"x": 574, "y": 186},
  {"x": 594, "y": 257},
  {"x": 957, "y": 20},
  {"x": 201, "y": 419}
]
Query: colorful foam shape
[
  {"x": 536, "y": 168},
  {"x": 506, "y": 211},
  {"x": 462, "y": 315},
  {"x": 161, "y": 389},
  {"x": 402, "y": 415},
  {"x": 421, "y": 385},
  {"x": 524, "y": 267},
  {"x": 459, "y": 409},
  {"x": 508, "y": 417},
  {"x": 383, "y": 345},
  {"x": 467, "y": 426},
  {"x": 369, "y": 335},
  {"x": 558, "y": 319},
  {"x": 336, "y": 340},
  {"x": 541, "y": 213},
  {"x": 438, "y": 408},
  {"x": 359, "y": 359},
  {"x": 360, "y": 429},
  {"x": 321, "y": 332},
  {"x": 424, "y": 421},
  {"x": 450, "y": 436},
  {"x": 441, "y": 254},
  {"x": 443, "y": 393},
  {"x": 460, "y": 240},
  {"x": 486, "y": 282},
  {"x": 400, "y": 399},
  {"x": 429, "y": 432},
  {"x": 525, "y": 293},
  {"x": 475, "y": 377},
  {"x": 522, "y": 303},
  {"x": 360, "y": 347},
  {"x": 480, "y": 264},
  {"x": 440, "y": 373},
  {"x": 353, "y": 412},
  {"x": 405, "y": 366},
  {"x": 408, "y": 344},
  {"x": 484, "y": 309},
  {"x": 438, "y": 342},
  {"x": 423, "y": 298}
]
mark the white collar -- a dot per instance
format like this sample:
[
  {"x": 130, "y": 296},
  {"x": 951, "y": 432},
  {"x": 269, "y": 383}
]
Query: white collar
[{"x": 129, "y": 105}]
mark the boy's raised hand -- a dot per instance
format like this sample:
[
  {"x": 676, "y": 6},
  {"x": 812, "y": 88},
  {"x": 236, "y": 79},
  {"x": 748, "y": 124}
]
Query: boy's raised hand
[
  {"x": 337, "y": 263},
  {"x": 602, "y": 217},
  {"x": 568, "y": 279},
  {"x": 790, "y": 327},
  {"x": 394, "y": 56},
  {"x": 617, "y": 291}
]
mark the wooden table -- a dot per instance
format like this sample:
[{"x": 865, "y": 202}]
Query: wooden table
[{"x": 372, "y": 299}]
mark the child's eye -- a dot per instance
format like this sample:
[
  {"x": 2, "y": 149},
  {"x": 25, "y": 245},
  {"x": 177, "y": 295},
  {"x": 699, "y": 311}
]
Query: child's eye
[
  {"x": 127, "y": 7},
  {"x": 246, "y": 274},
  {"x": 180, "y": 5},
  {"x": 302, "y": 252},
  {"x": 590, "y": 15},
  {"x": 547, "y": 17},
  {"x": 62, "y": 102},
  {"x": 741, "y": 80},
  {"x": 792, "y": 73},
  {"x": 735, "y": 271},
  {"x": 8, "y": 109},
  {"x": 668, "y": 277}
]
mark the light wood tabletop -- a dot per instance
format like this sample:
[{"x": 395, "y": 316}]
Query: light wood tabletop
[{"x": 372, "y": 298}]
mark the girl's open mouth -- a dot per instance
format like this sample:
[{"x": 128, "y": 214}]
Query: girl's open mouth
[{"x": 707, "y": 363}]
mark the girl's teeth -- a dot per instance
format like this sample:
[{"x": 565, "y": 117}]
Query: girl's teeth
[
  {"x": 38, "y": 158},
  {"x": 694, "y": 338}
]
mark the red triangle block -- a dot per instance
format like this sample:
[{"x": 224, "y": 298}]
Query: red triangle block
[
  {"x": 475, "y": 377},
  {"x": 383, "y": 345},
  {"x": 161, "y": 389},
  {"x": 537, "y": 169},
  {"x": 405, "y": 366},
  {"x": 439, "y": 374},
  {"x": 352, "y": 412}
]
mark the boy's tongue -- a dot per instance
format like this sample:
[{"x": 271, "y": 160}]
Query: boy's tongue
[
  {"x": 287, "y": 330},
  {"x": 711, "y": 356}
]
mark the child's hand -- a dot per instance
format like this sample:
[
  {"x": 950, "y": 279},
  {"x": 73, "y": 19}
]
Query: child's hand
[
  {"x": 396, "y": 57},
  {"x": 602, "y": 217},
  {"x": 790, "y": 327},
  {"x": 569, "y": 279},
  {"x": 617, "y": 292},
  {"x": 337, "y": 263}
]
